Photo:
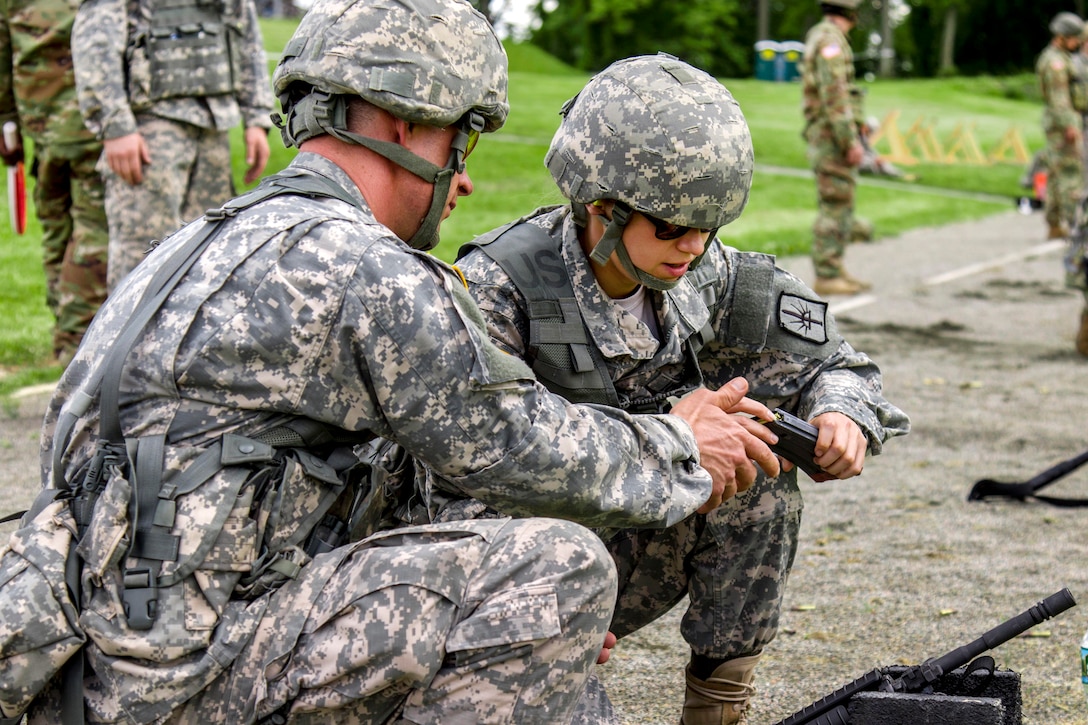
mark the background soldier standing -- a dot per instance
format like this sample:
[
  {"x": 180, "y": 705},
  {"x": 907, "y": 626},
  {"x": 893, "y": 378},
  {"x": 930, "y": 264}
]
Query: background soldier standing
[
  {"x": 1065, "y": 100},
  {"x": 37, "y": 89},
  {"x": 299, "y": 322},
  {"x": 161, "y": 84},
  {"x": 832, "y": 107}
]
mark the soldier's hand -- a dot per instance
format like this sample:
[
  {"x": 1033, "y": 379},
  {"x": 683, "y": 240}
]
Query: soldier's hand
[
  {"x": 606, "y": 648},
  {"x": 126, "y": 156},
  {"x": 1072, "y": 134},
  {"x": 854, "y": 155},
  {"x": 257, "y": 152},
  {"x": 730, "y": 446},
  {"x": 13, "y": 154},
  {"x": 840, "y": 445}
]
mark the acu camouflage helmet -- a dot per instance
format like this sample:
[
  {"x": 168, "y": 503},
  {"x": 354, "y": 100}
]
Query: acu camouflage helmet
[
  {"x": 425, "y": 61},
  {"x": 432, "y": 62},
  {"x": 1067, "y": 25},
  {"x": 661, "y": 136},
  {"x": 848, "y": 4}
]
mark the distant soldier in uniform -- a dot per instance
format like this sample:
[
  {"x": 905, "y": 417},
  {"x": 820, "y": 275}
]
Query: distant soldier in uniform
[
  {"x": 624, "y": 297},
  {"x": 1065, "y": 100},
  {"x": 832, "y": 107},
  {"x": 209, "y": 455},
  {"x": 37, "y": 90},
  {"x": 161, "y": 84}
]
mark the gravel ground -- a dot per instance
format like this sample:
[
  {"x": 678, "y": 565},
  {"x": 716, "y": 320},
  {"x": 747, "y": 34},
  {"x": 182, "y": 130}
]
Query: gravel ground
[{"x": 895, "y": 566}]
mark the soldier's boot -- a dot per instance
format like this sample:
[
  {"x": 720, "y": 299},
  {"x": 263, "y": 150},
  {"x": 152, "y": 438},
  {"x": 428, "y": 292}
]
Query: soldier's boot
[
  {"x": 1082, "y": 333},
  {"x": 1057, "y": 231},
  {"x": 841, "y": 285},
  {"x": 861, "y": 230},
  {"x": 722, "y": 698},
  {"x": 865, "y": 286}
]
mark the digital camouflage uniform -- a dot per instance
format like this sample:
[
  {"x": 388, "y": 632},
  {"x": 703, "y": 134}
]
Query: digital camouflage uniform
[
  {"x": 1065, "y": 167},
  {"x": 303, "y": 313},
  {"x": 682, "y": 153},
  {"x": 311, "y": 310},
  {"x": 183, "y": 99},
  {"x": 832, "y": 108},
  {"x": 37, "y": 89},
  {"x": 732, "y": 563}
]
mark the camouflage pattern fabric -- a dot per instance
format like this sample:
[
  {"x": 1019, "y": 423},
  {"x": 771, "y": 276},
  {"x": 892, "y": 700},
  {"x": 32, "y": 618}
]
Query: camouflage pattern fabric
[
  {"x": 307, "y": 309},
  {"x": 1064, "y": 160},
  {"x": 694, "y": 158},
  {"x": 189, "y": 173},
  {"x": 37, "y": 90},
  {"x": 832, "y": 108},
  {"x": 734, "y": 562},
  {"x": 70, "y": 199},
  {"x": 190, "y": 160}
]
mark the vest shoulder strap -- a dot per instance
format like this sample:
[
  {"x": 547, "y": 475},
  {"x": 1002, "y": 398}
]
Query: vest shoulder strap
[{"x": 561, "y": 352}]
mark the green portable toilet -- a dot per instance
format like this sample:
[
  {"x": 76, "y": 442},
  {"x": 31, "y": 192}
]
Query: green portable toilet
[
  {"x": 790, "y": 54},
  {"x": 766, "y": 60}
]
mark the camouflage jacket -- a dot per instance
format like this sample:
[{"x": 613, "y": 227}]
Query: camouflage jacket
[
  {"x": 37, "y": 85},
  {"x": 830, "y": 100},
  {"x": 310, "y": 310},
  {"x": 114, "y": 74},
  {"x": 765, "y": 325},
  {"x": 1055, "y": 71}
]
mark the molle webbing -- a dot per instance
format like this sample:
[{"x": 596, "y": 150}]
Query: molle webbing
[
  {"x": 562, "y": 355},
  {"x": 190, "y": 49}
]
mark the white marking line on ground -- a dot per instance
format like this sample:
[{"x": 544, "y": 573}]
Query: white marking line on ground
[
  {"x": 34, "y": 390},
  {"x": 1039, "y": 250},
  {"x": 852, "y": 303},
  {"x": 1036, "y": 251}
]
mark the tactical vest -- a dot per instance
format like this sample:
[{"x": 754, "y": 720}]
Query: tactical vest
[
  {"x": 300, "y": 484},
  {"x": 191, "y": 49},
  {"x": 560, "y": 348}
]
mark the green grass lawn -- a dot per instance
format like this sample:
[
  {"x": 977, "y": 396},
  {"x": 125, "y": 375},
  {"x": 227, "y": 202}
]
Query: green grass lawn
[{"x": 510, "y": 179}]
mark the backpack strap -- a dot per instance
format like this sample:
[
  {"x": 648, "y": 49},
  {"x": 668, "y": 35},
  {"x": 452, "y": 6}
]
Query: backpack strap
[{"x": 144, "y": 456}]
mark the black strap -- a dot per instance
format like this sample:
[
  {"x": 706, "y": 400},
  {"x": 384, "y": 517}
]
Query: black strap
[
  {"x": 988, "y": 488},
  {"x": 139, "y": 581}
]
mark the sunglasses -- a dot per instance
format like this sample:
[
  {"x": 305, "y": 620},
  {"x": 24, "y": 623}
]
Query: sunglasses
[{"x": 666, "y": 231}]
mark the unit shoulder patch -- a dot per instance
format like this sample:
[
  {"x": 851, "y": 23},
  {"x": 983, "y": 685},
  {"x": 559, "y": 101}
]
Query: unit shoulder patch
[{"x": 802, "y": 317}]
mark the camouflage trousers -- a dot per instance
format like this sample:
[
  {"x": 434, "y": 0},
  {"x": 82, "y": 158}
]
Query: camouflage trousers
[
  {"x": 189, "y": 173},
  {"x": 1064, "y": 180},
  {"x": 732, "y": 565},
  {"x": 69, "y": 197},
  {"x": 490, "y": 621},
  {"x": 834, "y": 225}
]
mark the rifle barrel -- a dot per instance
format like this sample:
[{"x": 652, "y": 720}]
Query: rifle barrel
[{"x": 1052, "y": 606}]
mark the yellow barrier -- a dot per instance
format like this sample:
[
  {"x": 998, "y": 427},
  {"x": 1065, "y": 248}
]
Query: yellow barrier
[{"x": 920, "y": 143}]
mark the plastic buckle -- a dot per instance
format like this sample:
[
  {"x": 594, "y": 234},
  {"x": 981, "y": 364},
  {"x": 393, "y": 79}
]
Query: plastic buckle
[{"x": 140, "y": 598}]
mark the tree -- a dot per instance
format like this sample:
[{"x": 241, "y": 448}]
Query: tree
[{"x": 716, "y": 35}]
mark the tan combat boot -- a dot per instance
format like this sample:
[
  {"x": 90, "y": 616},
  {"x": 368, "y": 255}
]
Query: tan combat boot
[
  {"x": 722, "y": 698},
  {"x": 1057, "y": 231},
  {"x": 1082, "y": 333},
  {"x": 841, "y": 285}
]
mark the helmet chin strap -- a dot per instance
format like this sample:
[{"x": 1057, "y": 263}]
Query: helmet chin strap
[
  {"x": 426, "y": 237},
  {"x": 325, "y": 113},
  {"x": 612, "y": 241}
]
